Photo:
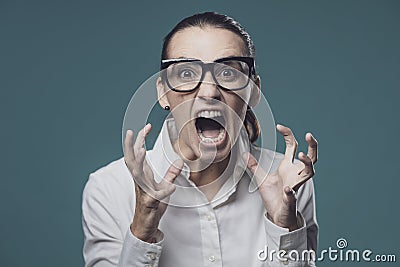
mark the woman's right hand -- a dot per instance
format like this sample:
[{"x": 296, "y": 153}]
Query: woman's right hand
[{"x": 151, "y": 197}]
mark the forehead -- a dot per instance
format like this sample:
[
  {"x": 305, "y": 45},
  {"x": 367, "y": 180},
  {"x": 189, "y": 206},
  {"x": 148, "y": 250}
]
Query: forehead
[{"x": 207, "y": 44}]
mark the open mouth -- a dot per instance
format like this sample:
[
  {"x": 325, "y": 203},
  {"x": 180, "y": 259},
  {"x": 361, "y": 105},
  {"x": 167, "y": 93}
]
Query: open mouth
[{"x": 210, "y": 126}]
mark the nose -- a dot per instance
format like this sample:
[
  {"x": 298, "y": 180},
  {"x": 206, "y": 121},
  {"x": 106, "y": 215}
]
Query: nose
[{"x": 208, "y": 90}]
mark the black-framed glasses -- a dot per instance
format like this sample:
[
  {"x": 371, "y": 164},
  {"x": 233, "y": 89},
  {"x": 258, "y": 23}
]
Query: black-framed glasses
[{"x": 229, "y": 73}]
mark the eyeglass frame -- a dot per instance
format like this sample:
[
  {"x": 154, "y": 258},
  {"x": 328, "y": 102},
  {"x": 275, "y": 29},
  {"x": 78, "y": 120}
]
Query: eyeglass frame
[{"x": 250, "y": 61}]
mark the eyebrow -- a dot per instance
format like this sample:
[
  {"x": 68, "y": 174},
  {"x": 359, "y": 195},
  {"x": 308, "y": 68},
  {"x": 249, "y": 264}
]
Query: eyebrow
[
  {"x": 185, "y": 58},
  {"x": 178, "y": 59}
]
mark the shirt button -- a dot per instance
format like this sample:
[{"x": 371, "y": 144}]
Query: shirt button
[
  {"x": 152, "y": 255},
  {"x": 211, "y": 258},
  {"x": 209, "y": 218},
  {"x": 285, "y": 261}
]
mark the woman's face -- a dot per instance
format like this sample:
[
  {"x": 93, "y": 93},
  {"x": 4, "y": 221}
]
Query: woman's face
[{"x": 209, "y": 118}]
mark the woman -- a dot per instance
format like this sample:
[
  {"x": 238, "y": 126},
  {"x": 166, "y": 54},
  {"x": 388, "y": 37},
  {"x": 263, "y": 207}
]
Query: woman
[{"x": 209, "y": 84}]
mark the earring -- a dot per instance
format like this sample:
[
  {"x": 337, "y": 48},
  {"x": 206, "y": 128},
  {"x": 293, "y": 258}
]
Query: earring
[{"x": 167, "y": 108}]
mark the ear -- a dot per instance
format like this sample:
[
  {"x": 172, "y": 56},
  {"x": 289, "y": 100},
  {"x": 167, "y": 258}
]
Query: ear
[
  {"x": 162, "y": 96},
  {"x": 255, "y": 92}
]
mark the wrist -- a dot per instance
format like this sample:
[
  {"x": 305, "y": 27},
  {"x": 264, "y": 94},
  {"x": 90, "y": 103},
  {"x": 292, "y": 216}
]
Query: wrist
[
  {"x": 295, "y": 225},
  {"x": 292, "y": 222},
  {"x": 154, "y": 236}
]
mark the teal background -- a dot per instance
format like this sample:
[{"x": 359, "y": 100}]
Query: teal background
[{"x": 69, "y": 68}]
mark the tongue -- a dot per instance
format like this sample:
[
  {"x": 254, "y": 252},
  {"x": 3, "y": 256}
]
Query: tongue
[
  {"x": 210, "y": 133},
  {"x": 208, "y": 127}
]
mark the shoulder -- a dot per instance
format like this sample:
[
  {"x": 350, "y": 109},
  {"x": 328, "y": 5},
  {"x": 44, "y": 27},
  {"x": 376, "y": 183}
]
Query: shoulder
[
  {"x": 107, "y": 202},
  {"x": 110, "y": 180},
  {"x": 112, "y": 170}
]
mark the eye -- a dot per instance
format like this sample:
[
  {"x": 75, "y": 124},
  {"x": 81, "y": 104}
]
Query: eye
[
  {"x": 186, "y": 74},
  {"x": 227, "y": 73}
]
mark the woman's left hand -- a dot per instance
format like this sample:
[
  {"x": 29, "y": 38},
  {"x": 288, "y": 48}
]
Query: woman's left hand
[{"x": 278, "y": 190}]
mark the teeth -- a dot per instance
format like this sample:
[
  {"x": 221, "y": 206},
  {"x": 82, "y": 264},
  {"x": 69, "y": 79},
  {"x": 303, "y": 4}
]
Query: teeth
[
  {"x": 211, "y": 140},
  {"x": 209, "y": 114}
]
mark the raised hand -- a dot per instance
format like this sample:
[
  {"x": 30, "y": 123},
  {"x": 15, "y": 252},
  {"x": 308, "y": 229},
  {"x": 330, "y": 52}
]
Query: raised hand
[
  {"x": 278, "y": 190},
  {"x": 151, "y": 197}
]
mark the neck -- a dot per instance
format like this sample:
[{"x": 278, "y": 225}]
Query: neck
[
  {"x": 210, "y": 174},
  {"x": 210, "y": 180}
]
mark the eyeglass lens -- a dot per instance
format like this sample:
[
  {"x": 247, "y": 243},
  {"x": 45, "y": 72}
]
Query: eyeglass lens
[{"x": 186, "y": 76}]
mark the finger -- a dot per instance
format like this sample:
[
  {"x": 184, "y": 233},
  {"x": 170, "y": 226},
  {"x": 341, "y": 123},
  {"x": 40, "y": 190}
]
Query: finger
[
  {"x": 308, "y": 165},
  {"x": 173, "y": 171},
  {"x": 312, "y": 147},
  {"x": 140, "y": 139},
  {"x": 140, "y": 153},
  {"x": 147, "y": 176},
  {"x": 290, "y": 195},
  {"x": 290, "y": 140},
  {"x": 128, "y": 149},
  {"x": 254, "y": 167},
  {"x": 307, "y": 172},
  {"x": 167, "y": 186},
  {"x": 144, "y": 179},
  {"x": 140, "y": 158},
  {"x": 148, "y": 172}
]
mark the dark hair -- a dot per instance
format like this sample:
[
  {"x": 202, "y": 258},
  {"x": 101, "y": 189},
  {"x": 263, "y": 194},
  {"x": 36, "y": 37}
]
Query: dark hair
[{"x": 221, "y": 21}]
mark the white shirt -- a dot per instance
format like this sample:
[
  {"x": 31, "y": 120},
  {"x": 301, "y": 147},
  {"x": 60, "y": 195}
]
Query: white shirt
[{"x": 229, "y": 231}]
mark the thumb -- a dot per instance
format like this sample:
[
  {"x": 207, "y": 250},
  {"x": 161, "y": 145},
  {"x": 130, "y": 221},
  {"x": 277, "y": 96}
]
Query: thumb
[
  {"x": 290, "y": 195},
  {"x": 166, "y": 186},
  {"x": 173, "y": 171}
]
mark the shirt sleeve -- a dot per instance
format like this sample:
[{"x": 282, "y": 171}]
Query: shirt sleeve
[
  {"x": 105, "y": 244},
  {"x": 147, "y": 254},
  {"x": 290, "y": 247}
]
